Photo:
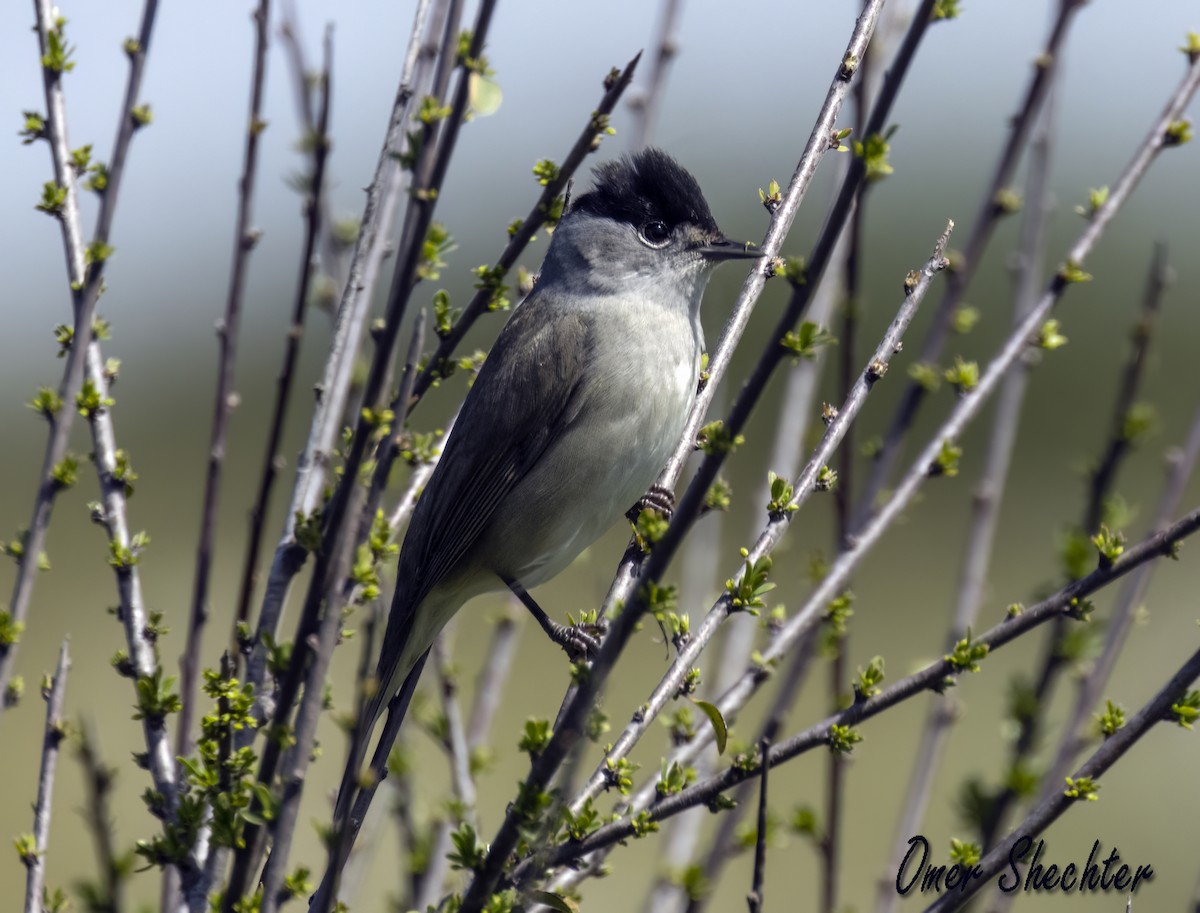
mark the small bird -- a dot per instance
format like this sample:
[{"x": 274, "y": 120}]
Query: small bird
[{"x": 574, "y": 413}]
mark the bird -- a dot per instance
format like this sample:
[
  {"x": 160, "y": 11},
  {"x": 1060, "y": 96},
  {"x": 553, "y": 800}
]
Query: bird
[{"x": 574, "y": 413}]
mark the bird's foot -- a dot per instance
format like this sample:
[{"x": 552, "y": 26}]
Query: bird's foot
[
  {"x": 580, "y": 642},
  {"x": 657, "y": 498}
]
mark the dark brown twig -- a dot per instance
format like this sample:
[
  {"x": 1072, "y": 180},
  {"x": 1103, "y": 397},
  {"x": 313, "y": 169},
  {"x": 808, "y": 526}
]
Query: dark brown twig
[
  {"x": 98, "y": 782},
  {"x": 245, "y": 237},
  {"x": 755, "y": 899},
  {"x": 313, "y": 221}
]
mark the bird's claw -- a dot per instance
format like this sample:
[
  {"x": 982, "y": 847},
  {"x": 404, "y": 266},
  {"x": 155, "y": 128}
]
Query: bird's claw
[
  {"x": 657, "y": 498},
  {"x": 578, "y": 641}
]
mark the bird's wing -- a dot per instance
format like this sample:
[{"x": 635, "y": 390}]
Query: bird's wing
[{"x": 527, "y": 392}]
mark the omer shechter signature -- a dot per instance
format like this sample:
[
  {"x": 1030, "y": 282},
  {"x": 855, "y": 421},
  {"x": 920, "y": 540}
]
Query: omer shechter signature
[{"x": 1094, "y": 875}]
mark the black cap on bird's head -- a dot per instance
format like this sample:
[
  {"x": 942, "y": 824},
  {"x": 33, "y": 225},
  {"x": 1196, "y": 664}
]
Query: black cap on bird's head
[{"x": 652, "y": 192}]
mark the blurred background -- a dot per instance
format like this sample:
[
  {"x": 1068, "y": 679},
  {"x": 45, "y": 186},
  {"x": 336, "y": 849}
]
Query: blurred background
[{"x": 739, "y": 102}]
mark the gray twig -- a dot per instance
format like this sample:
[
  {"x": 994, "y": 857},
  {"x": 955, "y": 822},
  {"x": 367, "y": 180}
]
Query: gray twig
[
  {"x": 35, "y": 857},
  {"x": 666, "y": 45}
]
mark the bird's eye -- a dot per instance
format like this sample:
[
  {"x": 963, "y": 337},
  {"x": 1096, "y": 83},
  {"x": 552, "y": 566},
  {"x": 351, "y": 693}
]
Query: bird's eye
[{"x": 655, "y": 234}]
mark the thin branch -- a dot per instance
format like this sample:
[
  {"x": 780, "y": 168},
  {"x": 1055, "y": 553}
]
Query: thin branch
[
  {"x": 98, "y": 780},
  {"x": 935, "y": 676},
  {"x": 489, "y": 686},
  {"x": 244, "y": 239},
  {"x": 1102, "y": 478},
  {"x": 303, "y": 80},
  {"x": 1051, "y": 809},
  {"x": 666, "y": 45},
  {"x": 400, "y": 406},
  {"x": 35, "y": 860},
  {"x": 458, "y": 752},
  {"x": 987, "y": 219},
  {"x": 313, "y": 221},
  {"x": 985, "y": 505},
  {"x": 755, "y": 899},
  {"x": 333, "y": 390}
]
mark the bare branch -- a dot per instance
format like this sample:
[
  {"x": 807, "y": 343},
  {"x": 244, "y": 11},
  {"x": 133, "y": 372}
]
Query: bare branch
[
  {"x": 244, "y": 239},
  {"x": 666, "y": 45},
  {"x": 35, "y": 857}
]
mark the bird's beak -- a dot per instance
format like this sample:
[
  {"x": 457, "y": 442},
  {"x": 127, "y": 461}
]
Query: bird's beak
[{"x": 721, "y": 248}]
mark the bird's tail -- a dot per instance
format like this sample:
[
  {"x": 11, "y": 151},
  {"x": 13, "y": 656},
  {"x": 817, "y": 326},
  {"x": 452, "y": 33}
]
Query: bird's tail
[
  {"x": 396, "y": 642},
  {"x": 356, "y": 791}
]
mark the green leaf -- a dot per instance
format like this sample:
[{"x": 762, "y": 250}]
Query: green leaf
[{"x": 720, "y": 730}]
